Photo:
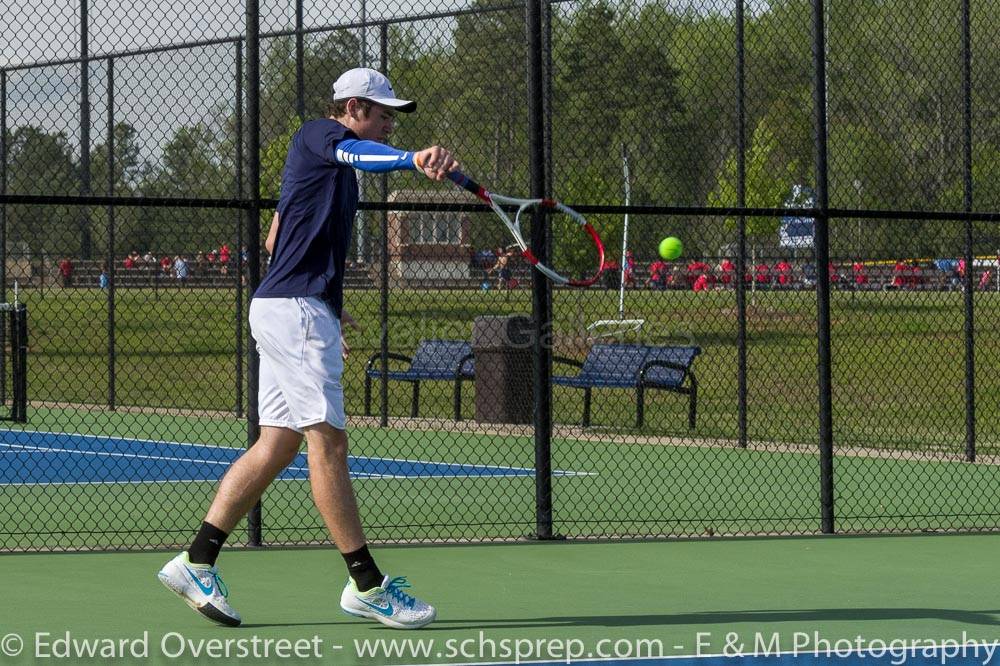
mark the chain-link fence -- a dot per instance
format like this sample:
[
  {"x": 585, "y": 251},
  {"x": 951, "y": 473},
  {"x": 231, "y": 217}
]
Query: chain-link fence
[{"x": 822, "y": 357}]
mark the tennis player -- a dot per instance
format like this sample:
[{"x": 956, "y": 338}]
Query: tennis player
[{"x": 295, "y": 317}]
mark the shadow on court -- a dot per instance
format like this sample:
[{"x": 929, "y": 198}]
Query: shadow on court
[
  {"x": 758, "y": 617},
  {"x": 725, "y": 618},
  {"x": 318, "y": 623}
]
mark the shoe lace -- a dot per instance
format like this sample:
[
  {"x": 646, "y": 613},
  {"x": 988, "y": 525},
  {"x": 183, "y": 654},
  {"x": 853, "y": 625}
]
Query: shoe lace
[
  {"x": 395, "y": 590},
  {"x": 220, "y": 583}
]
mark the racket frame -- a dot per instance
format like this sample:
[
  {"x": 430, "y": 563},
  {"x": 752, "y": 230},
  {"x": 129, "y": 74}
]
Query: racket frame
[{"x": 497, "y": 203}]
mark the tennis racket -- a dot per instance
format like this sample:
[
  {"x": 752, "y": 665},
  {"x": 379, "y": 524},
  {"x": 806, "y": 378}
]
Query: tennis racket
[{"x": 497, "y": 201}]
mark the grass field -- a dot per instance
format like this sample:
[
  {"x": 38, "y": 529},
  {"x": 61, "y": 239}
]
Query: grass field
[{"x": 898, "y": 357}]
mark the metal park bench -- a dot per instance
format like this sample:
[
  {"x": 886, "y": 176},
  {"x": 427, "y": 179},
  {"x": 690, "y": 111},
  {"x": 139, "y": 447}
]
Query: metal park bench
[
  {"x": 634, "y": 366},
  {"x": 442, "y": 360}
]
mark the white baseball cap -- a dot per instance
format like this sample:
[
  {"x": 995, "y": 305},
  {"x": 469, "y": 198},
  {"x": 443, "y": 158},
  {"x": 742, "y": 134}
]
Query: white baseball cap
[{"x": 371, "y": 85}]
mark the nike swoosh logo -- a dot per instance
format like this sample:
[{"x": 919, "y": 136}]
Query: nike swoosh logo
[
  {"x": 382, "y": 610},
  {"x": 206, "y": 590}
]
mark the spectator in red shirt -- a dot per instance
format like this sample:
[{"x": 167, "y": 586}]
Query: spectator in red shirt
[
  {"x": 701, "y": 283},
  {"x": 897, "y": 275},
  {"x": 728, "y": 269},
  {"x": 784, "y": 272},
  {"x": 860, "y": 275},
  {"x": 224, "y": 259},
  {"x": 763, "y": 272},
  {"x": 66, "y": 271},
  {"x": 629, "y": 269},
  {"x": 658, "y": 274},
  {"x": 695, "y": 270},
  {"x": 165, "y": 264},
  {"x": 129, "y": 262},
  {"x": 834, "y": 275}
]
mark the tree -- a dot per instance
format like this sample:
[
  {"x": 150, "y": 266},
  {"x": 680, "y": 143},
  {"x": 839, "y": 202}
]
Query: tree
[
  {"x": 190, "y": 168},
  {"x": 489, "y": 78},
  {"x": 325, "y": 57},
  {"x": 768, "y": 180},
  {"x": 128, "y": 164},
  {"x": 42, "y": 163}
]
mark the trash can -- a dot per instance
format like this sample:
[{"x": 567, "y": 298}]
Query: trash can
[{"x": 504, "y": 387}]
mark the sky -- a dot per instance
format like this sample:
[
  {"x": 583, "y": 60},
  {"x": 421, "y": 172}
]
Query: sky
[{"x": 157, "y": 93}]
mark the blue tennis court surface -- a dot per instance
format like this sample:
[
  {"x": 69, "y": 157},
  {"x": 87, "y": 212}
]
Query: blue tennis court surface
[{"x": 29, "y": 457}]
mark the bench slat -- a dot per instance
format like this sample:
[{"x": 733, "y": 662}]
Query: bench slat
[{"x": 669, "y": 377}]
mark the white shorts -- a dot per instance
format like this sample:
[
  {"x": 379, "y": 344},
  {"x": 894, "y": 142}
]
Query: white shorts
[{"x": 300, "y": 362}]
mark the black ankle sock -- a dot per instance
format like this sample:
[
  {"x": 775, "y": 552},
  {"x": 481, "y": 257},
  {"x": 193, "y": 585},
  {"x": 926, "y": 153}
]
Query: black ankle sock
[
  {"x": 363, "y": 569},
  {"x": 207, "y": 544}
]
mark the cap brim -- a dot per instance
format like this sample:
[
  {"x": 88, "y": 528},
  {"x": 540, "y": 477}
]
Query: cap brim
[{"x": 404, "y": 105}]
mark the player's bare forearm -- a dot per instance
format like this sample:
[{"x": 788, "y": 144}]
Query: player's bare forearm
[
  {"x": 272, "y": 234},
  {"x": 349, "y": 320}
]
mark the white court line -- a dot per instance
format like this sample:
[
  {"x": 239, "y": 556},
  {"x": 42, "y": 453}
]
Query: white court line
[
  {"x": 140, "y": 456},
  {"x": 235, "y": 448},
  {"x": 357, "y": 475},
  {"x": 354, "y": 475}
]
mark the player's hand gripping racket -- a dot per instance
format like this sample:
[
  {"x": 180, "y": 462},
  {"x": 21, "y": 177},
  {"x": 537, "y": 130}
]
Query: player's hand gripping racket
[{"x": 496, "y": 201}]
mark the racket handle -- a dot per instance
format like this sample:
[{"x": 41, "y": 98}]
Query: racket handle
[{"x": 468, "y": 184}]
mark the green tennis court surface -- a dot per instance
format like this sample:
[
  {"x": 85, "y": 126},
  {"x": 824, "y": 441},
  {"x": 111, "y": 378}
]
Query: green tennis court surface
[
  {"x": 675, "y": 487},
  {"x": 670, "y": 598}
]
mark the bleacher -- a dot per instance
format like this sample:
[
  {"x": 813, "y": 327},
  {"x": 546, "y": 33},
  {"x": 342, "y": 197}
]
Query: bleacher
[
  {"x": 367, "y": 276},
  {"x": 143, "y": 275}
]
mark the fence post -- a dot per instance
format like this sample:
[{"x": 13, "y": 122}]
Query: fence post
[
  {"x": 86, "y": 243},
  {"x": 241, "y": 220},
  {"x": 112, "y": 360},
  {"x": 547, "y": 95},
  {"x": 384, "y": 267},
  {"x": 541, "y": 288},
  {"x": 3, "y": 187},
  {"x": 970, "y": 329},
  {"x": 822, "y": 236},
  {"x": 300, "y": 48},
  {"x": 741, "y": 229},
  {"x": 254, "y": 519},
  {"x": 3, "y": 215},
  {"x": 19, "y": 408}
]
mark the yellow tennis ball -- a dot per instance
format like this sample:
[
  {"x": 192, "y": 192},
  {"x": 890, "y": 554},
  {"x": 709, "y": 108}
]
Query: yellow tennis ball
[{"x": 671, "y": 248}]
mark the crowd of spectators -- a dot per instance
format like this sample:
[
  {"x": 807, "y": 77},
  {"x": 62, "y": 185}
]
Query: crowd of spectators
[
  {"x": 218, "y": 261},
  {"x": 698, "y": 275},
  {"x": 781, "y": 273}
]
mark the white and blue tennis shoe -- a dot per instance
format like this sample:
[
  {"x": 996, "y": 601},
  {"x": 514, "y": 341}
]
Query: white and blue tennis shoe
[
  {"x": 201, "y": 587},
  {"x": 387, "y": 604}
]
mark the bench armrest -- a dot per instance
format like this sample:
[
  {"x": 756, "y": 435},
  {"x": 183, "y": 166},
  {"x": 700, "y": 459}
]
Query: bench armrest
[
  {"x": 461, "y": 362},
  {"x": 567, "y": 361},
  {"x": 378, "y": 355}
]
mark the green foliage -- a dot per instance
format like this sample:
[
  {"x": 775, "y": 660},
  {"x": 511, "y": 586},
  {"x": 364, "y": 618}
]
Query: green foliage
[
  {"x": 42, "y": 163},
  {"x": 769, "y": 179},
  {"x": 658, "y": 76},
  {"x": 272, "y": 160}
]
